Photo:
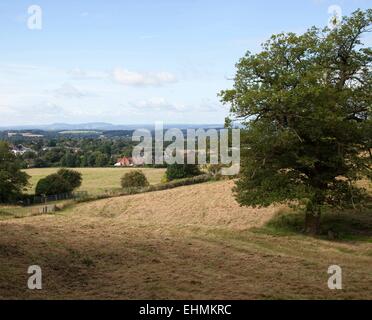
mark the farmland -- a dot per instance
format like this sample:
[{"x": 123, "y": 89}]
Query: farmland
[
  {"x": 96, "y": 180},
  {"x": 192, "y": 242}
]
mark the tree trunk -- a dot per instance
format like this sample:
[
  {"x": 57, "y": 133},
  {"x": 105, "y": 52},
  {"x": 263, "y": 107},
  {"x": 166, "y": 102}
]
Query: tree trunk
[
  {"x": 313, "y": 212},
  {"x": 312, "y": 223}
]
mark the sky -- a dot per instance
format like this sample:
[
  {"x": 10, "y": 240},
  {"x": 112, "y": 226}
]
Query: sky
[{"x": 138, "y": 61}]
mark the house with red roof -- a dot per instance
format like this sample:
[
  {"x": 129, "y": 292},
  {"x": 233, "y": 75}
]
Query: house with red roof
[{"x": 129, "y": 162}]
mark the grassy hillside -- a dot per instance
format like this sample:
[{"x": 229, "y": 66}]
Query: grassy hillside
[{"x": 192, "y": 242}]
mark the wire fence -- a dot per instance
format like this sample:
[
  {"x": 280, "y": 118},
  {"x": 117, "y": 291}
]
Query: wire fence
[
  {"x": 32, "y": 199},
  {"x": 44, "y": 209}
]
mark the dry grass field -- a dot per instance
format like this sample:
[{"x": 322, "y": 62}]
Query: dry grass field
[
  {"x": 96, "y": 180},
  {"x": 191, "y": 242}
]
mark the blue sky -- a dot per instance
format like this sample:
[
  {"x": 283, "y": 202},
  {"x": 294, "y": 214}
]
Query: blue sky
[{"x": 136, "y": 62}]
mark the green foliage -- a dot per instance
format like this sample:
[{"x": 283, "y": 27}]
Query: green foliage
[
  {"x": 183, "y": 182},
  {"x": 74, "y": 178},
  {"x": 180, "y": 171},
  {"x": 134, "y": 179},
  {"x": 215, "y": 169},
  {"x": 334, "y": 225},
  {"x": 228, "y": 123},
  {"x": 164, "y": 178},
  {"x": 12, "y": 179},
  {"x": 52, "y": 185},
  {"x": 57, "y": 150},
  {"x": 64, "y": 181},
  {"x": 171, "y": 184},
  {"x": 306, "y": 103},
  {"x": 98, "y": 159},
  {"x": 70, "y": 160}
]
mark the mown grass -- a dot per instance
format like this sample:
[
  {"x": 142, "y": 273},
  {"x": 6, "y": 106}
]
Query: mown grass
[
  {"x": 193, "y": 242},
  {"x": 8, "y": 212}
]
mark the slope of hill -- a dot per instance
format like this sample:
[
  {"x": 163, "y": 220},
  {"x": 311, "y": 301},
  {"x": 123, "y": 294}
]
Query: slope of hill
[
  {"x": 203, "y": 205},
  {"x": 192, "y": 242}
]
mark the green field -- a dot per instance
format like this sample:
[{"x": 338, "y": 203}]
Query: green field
[{"x": 96, "y": 180}]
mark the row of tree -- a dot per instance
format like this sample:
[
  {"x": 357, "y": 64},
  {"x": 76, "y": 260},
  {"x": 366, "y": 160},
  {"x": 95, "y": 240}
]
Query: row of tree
[{"x": 72, "y": 152}]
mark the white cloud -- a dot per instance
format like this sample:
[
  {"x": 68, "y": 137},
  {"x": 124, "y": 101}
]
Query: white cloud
[
  {"x": 42, "y": 112},
  {"x": 156, "y": 104},
  {"x": 69, "y": 91},
  {"x": 208, "y": 105},
  {"x": 81, "y": 74},
  {"x": 47, "y": 108},
  {"x": 133, "y": 78},
  {"x": 160, "y": 104},
  {"x": 125, "y": 77}
]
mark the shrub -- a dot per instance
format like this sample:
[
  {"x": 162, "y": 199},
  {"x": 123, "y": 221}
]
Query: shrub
[
  {"x": 53, "y": 184},
  {"x": 214, "y": 169},
  {"x": 134, "y": 179},
  {"x": 181, "y": 171},
  {"x": 73, "y": 177}
]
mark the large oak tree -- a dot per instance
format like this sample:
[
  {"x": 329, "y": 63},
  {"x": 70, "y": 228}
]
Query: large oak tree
[{"x": 306, "y": 103}]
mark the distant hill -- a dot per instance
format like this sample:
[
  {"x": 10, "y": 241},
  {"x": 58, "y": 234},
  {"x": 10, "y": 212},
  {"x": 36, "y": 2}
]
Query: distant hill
[{"x": 103, "y": 126}]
